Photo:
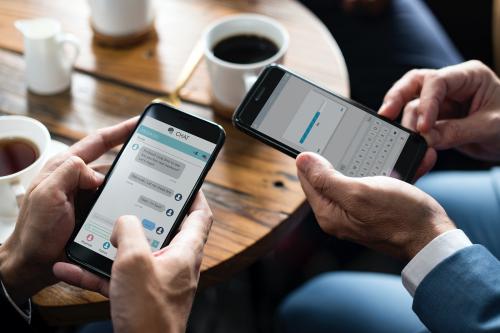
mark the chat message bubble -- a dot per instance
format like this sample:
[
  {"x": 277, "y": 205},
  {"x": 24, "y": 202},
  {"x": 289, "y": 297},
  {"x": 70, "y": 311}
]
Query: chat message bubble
[
  {"x": 160, "y": 162},
  {"x": 151, "y": 203},
  {"x": 150, "y": 184}
]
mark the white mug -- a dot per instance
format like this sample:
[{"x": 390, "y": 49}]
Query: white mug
[
  {"x": 12, "y": 187},
  {"x": 119, "y": 18},
  {"x": 231, "y": 81},
  {"x": 48, "y": 65}
]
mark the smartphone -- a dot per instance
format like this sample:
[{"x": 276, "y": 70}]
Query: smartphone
[
  {"x": 155, "y": 177},
  {"x": 292, "y": 114}
]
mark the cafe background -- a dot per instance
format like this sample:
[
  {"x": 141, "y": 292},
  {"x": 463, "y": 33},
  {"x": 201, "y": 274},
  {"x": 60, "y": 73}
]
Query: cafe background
[{"x": 247, "y": 301}]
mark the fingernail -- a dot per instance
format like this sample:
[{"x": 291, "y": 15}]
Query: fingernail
[
  {"x": 303, "y": 163},
  {"x": 98, "y": 176},
  {"x": 420, "y": 123},
  {"x": 385, "y": 105}
]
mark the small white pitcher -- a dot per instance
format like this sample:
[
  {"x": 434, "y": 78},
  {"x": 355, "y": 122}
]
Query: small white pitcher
[{"x": 48, "y": 63}]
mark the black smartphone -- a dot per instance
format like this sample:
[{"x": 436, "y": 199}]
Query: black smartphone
[
  {"x": 155, "y": 177},
  {"x": 292, "y": 114}
]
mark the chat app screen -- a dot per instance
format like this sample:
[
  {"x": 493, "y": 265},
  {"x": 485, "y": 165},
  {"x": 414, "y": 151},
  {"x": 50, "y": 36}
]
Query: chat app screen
[
  {"x": 309, "y": 119},
  {"x": 152, "y": 179}
]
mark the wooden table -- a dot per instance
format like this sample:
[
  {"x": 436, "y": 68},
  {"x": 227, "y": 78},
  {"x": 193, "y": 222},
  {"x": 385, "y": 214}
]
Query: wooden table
[{"x": 255, "y": 196}]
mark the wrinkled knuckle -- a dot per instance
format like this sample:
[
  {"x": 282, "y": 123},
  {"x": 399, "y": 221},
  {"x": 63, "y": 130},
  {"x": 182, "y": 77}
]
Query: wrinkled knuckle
[
  {"x": 321, "y": 181},
  {"x": 358, "y": 194},
  {"x": 412, "y": 106},
  {"x": 74, "y": 162},
  {"x": 55, "y": 160},
  {"x": 478, "y": 64},
  {"x": 419, "y": 74},
  {"x": 207, "y": 216},
  {"x": 413, "y": 73},
  {"x": 433, "y": 100},
  {"x": 103, "y": 135},
  {"x": 47, "y": 196},
  {"x": 186, "y": 278},
  {"x": 196, "y": 244},
  {"x": 480, "y": 69},
  {"x": 183, "y": 260},
  {"x": 38, "y": 193},
  {"x": 134, "y": 259},
  {"x": 435, "y": 76},
  {"x": 324, "y": 217},
  {"x": 453, "y": 132}
]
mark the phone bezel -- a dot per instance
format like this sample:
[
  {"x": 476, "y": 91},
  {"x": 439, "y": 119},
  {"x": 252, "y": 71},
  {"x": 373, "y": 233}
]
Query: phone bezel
[
  {"x": 205, "y": 129},
  {"x": 408, "y": 160}
]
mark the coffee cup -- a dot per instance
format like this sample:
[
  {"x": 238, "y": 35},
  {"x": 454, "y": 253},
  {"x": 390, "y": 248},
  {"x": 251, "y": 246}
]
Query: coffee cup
[
  {"x": 24, "y": 144},
  {"x": 236, "y": 49},
  {"x": 121, "y": 22}
]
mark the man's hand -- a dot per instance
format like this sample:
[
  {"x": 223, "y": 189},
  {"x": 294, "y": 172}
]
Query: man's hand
[
  {"x": 150, "y": 292},
  {"x": 382, "y": 213},
  {"x": 453, "y": 107},
  {"x": 46, "y": 219}
]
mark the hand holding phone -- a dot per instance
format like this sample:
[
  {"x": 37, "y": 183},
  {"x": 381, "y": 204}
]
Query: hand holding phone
[
  {"x": 294, "y": 115},
  {"x": 382, "y": 213},
  {"x": 164, "y": 283},
  {"x": 155, "y": 177},
  {"x": 27, "y": 256}
]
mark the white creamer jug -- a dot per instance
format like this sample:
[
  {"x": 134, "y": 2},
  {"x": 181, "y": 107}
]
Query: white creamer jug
[{"x": 48, "y": 62}]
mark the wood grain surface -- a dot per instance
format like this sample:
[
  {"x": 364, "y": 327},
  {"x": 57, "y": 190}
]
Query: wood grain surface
[
  {"x": 155, "y": 64},
  {"x": 252, "y": 189}
]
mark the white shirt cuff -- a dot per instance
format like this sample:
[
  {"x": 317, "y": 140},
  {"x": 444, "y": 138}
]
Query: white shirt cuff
[
  {"x": 25, "y": 314},
  {"x": 440, "y": 248}
]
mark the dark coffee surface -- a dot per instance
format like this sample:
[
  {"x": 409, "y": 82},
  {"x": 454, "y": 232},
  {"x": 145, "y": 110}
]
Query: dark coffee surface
[
  {"x": 16, "y": 154},
  {"x": 245, "y": 49}
]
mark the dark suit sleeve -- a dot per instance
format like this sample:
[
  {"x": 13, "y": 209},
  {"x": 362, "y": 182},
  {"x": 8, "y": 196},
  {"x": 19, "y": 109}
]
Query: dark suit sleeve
[
  {"x": 11, "y": 320},
  {"x": 461, "y": 294}
]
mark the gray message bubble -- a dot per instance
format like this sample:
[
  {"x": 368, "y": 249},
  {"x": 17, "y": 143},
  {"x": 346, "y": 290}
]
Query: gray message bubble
[
  {"x": 151, "y": 203},
  {"x": 150, "y": 184},
  {"x": 160, "y": 162},
  {"x": 102, "y": 218}
]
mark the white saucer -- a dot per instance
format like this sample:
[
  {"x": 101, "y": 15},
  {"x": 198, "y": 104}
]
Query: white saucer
[{"x": 7, "y": 224}]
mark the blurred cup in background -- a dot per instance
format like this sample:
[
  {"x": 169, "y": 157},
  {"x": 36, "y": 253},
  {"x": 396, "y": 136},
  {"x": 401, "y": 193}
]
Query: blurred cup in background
[{"x": 121, "y": 22}]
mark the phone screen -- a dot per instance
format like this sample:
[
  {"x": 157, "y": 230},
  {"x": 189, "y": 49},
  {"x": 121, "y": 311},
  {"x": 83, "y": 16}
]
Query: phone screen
[
  {"x": 307, "y": 118},
  {"x": 152, "y": 180}
]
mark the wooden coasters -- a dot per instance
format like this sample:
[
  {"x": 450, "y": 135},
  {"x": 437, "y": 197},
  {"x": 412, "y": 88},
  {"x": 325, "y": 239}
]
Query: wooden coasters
[{"x": 123, "y": 41}]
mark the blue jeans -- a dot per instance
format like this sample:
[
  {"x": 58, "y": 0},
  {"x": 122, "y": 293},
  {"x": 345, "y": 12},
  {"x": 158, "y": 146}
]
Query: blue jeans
[{"x": 371, "y": 302}]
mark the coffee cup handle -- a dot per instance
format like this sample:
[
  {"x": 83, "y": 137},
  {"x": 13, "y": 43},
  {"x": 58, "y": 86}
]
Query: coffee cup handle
[
  {"x": 249, "y": 80},
  {"x": 19, "y": 191},
  {"x": 69, "y": 39}
]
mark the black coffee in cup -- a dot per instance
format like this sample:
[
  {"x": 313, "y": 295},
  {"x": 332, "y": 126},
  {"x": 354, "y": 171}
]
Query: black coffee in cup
[
  {"x": 16, "y": 154},
  {"x": 245, "y": 49}
]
